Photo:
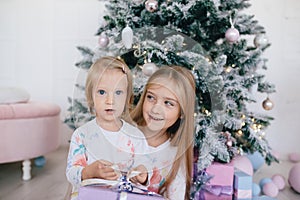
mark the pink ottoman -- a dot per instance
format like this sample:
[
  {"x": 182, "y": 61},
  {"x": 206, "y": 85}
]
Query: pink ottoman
[{"x": 28, "y": 130}]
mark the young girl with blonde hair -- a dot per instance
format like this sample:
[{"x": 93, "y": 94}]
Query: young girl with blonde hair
[
  {"x": 165, "y": 114},
  {"x": 107, "y": 142}
]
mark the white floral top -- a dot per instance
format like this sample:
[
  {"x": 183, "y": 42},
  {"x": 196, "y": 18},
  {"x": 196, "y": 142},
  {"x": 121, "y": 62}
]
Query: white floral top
[
  {"x": 160, "y": 161},
  {"x": 90, "y": 143}
]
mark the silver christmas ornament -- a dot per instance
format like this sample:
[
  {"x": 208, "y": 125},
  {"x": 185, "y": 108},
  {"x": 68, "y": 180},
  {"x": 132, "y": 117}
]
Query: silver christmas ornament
[
  {"x": 267, "y": 104},
  {"x": 103, "y": 40},
  {"x": 261, "y": 40},
  {"x": 232, "y": 34},
  {"x": 151, "y": 5},
  {"x": 127, "y": 37},
  {"x": 149, "y": 68}
]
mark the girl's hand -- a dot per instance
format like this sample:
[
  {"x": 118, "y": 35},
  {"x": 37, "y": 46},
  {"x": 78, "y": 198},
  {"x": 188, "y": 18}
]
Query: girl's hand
[
  {"x": 99, "y": 169},
  {"x": 142, "y": 177}
]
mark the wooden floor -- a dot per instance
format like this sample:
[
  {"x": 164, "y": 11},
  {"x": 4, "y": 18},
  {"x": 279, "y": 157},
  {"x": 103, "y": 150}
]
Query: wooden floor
[
  {"x": 47, "y": 183},
  {"x": 50, "y": 183}
]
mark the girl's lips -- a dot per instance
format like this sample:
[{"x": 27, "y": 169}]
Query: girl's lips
[
  {"x": 109, "y": 111},
  {"x": 155, "y": 118}
]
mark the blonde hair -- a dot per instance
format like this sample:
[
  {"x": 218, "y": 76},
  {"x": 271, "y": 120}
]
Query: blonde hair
[
  {"x": 96, "y": 71},
  {"x": 181, "y": 82}
]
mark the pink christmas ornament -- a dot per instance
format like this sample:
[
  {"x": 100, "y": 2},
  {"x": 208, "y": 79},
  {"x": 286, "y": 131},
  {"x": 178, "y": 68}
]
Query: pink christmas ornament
[
  {"x": 244, "y": 164},
  {"x": 294, "y": 177},
  {"x": 232, "y": 35},
  {"x": 294, "y": 157},
  {"x": 151, "y": 5},
  {"x": 270, "y": 189},
  {"x": 103, "y": 40},
  {"x": 279, "y": 181}
]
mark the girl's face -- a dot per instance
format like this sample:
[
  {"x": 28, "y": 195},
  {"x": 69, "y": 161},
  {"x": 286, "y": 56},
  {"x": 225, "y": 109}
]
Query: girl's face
[
  {"x": 110, "y": 96},
  {"x": 161, "y": 108}
]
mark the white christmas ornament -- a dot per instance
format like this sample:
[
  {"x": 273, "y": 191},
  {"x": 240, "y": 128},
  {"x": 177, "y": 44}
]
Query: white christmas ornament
[
  {"x": 232, "y": 34},
  {"x": 261, "y": 40},
  {"x": 149, "y": 68},
  {"x": 103, "y": 40},
  {"x": 151, "y": 5},
  {"x": 127, "y": 37}
]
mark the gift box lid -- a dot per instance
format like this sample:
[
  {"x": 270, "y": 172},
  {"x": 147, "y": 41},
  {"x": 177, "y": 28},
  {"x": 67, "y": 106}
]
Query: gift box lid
[{"x": 222, "y": 174}]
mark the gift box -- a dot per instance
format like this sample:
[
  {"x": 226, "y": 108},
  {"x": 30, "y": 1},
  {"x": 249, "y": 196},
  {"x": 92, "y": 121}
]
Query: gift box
[
  {"x": 95, "y": 192},
  {"x": 220, "y": 186},
  {"x": 242, "y": 185},
  {"x": 208, "y": 196}
]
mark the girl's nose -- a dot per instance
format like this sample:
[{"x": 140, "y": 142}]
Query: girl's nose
[
  {"x": 109, "y": 99},
  {"x": 156, "y": 108}
]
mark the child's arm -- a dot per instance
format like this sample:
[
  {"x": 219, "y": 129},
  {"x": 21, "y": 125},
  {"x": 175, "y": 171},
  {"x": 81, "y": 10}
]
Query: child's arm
[
  {"x": 77, "y": 167},
  {"x": 76, "y": 159}
]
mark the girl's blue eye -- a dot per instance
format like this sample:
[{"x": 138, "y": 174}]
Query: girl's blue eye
[
  {"x": 168, "y": 103},
  {"x": 150, "y": 97},
  {"x": 101, "y": 92},
  {"x": 119, "y": 92}
]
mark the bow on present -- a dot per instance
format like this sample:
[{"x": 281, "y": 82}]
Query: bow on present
[
  {"x": 204, "y": 178},
  {"x": 216, "y": 190}
]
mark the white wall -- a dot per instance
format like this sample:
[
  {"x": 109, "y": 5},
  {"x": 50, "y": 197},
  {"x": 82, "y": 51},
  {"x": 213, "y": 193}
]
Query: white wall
[{"x": 38, "y": 40}]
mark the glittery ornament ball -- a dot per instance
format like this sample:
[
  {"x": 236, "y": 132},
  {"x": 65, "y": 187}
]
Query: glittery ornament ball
[
  {"x": 267, "y": 104},
  {"x": 232, "y": 35},
  {"x": 103, "y": 41},
  {"x": 151, "y": 5}
]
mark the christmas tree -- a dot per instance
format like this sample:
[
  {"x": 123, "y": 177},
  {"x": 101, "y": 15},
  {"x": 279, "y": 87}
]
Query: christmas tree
[{"x": 222, "y": 46}]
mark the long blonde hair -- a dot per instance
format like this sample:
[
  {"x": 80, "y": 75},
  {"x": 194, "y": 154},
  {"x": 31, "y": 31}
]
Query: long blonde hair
[
  {"x": 181, "y": 133},
  {"x": 96, "y": 71}
]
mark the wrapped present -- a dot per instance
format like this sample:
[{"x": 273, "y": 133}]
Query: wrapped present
[
  {"x": 123, "y": 189},
  {"x": 94, "y": 192},
  {"x": 242, "y": 185},
  {"x": 220, "y": 184}
]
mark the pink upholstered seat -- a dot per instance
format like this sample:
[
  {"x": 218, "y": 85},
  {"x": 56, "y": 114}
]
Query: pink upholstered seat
[{"x": 28, "y": 130}]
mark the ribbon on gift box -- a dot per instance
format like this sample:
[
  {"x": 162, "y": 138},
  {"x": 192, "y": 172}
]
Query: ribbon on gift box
[{"x": 216, "y": 190}]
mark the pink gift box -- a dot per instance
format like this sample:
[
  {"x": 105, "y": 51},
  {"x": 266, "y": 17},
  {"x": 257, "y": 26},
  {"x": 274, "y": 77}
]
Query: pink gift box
[
  {"x": 208, "y": 196},
  {"x": 220, "y": 186},
  {"x": 222, "y": 174},
  {"x": 100, "y": 192}
]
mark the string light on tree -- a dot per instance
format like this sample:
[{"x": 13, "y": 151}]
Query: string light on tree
[
  {"x": 151, "y": 5},
  {"x": 267, "y": 104}
]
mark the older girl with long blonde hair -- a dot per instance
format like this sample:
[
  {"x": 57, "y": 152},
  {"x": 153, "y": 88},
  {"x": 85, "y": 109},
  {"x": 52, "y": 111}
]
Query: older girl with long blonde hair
[{"x": 165, "y": 114}]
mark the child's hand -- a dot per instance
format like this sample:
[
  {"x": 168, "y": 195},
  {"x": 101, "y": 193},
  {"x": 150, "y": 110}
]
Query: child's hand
[
  {"x": 99, "y": 169},
  {"x": 142, "y": 177}
]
